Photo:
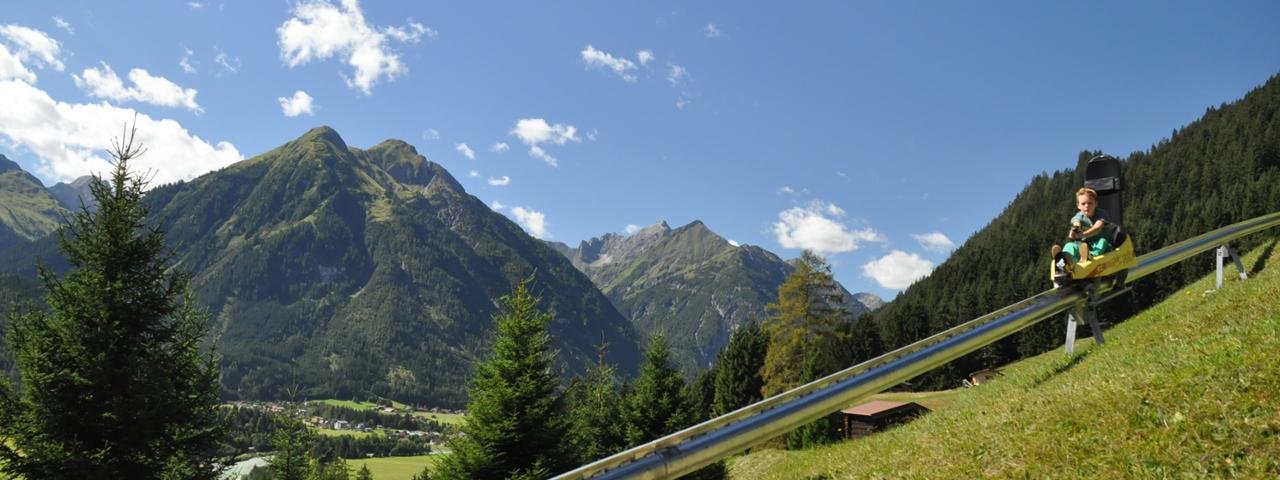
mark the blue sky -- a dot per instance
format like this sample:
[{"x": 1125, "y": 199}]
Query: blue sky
[{"x": 879, "y": 133}]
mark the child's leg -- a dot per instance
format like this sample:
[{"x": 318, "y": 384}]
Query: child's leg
[
  {"x": 1072, "y": 249},
  {"x": 1099, "y": 247},
  {"x": 1083, "y": 248}
]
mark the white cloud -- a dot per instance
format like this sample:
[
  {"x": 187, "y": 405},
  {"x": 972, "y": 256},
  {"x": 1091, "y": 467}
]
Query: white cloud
[
  {"x": 535, "y": 131},
  {"x": 185, "y": 63},
  {"x": 11, "y": 67},
  {"x": 34, "y": 46},
  {"x": 711, "y": 31},
  {"x": 676, "y": 74},
  {"x": 537, "y": 152},
  {"x": 533, "y": 221},
  {"x": 620, "y": 66},
  {"x": 228, "y": 63},
  {"x": 431, "y": 134},
  {"x": 810, "y": 228},
  {"x": 496, "y": 205},
  {"x": 500, "y": 182},
  {"x": 465, "y": 150},
  {"x": 195, "y": 5},
  {"x": 411, "y": 34},
  {"x": 644, "y": 57},
  {"x": 69, "y": 139},
  {"x": 787, "y": 190},
  {"x": 473, "y": 174},
  {"x": 147, "y": 88},
  {"x": 734, "y": 243},
  {"x": 631, "y": 229},
  {"x": 319, "y": 30},
  {"x": 935, "y": 242},
  {"x": 682, "y": 102},
  {"x": 499, "y": 147},
  {"x": 299, "y": 104},
  {"x": 64, "y": 25},
  {"x": 897, "y": 270}
]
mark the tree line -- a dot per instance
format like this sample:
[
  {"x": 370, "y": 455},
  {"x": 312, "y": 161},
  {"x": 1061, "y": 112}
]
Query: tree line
[{"x": 522, "y": 424}]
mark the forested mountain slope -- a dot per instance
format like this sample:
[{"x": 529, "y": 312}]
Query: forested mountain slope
[
  {"x": 1220, "y": 169},
  {"x": 336, "y": 271}
]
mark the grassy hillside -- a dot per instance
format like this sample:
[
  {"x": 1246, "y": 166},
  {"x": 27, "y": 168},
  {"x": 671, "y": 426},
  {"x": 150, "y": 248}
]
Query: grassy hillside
[
  {"x": 1188, "y": 388},
  {"x": 1220, "y": 169}
]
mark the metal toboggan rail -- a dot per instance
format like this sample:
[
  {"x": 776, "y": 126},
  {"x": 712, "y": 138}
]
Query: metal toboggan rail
[{"x": 700, "y": 445}]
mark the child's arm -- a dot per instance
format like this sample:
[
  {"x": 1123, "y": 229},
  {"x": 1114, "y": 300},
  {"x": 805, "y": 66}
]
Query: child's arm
[{"x": 1097, "y": 227}]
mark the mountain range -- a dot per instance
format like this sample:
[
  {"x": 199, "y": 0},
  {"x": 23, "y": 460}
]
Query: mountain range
[
  {"x": 329, "y": 270},
  {"x": 690, "y": 284}
]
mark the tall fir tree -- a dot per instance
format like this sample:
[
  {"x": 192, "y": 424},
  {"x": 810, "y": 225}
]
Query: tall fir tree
[
  {"x": 114, "y": 381},
  {"x": 292, "y": 442},
  {"x": 658, "y": 404},
  {"x": 594, "y": 412},
  {"x": 516, "y": 421},
  {"x": 805, "y": 318},
  {"x": 738, "y": 382}
]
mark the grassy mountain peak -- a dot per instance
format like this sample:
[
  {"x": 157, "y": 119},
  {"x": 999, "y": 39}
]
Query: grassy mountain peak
[
  {"x": 27, "y": 210},
  {"x": 340, "y": 272},
  {"x": 689, "y": 283}
]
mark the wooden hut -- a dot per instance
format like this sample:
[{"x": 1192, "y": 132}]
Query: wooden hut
[{"x": 878, "y": 415}]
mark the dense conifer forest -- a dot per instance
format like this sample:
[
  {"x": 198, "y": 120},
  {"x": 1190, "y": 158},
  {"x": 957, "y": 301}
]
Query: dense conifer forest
[{"x": 1220, "y": 169}]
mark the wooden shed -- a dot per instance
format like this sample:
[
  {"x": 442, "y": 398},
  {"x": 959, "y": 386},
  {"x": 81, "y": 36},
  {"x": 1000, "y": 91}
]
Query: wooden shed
[{"x": 878, "y": 415}]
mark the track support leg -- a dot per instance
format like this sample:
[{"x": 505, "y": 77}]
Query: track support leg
[
  {"x": 1225, "y": 251},
  {"x": 1078, "y": 314}
]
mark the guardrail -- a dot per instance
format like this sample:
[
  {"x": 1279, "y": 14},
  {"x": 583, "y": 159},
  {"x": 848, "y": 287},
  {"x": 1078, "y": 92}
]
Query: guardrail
[{"x": 695, "y": 447}]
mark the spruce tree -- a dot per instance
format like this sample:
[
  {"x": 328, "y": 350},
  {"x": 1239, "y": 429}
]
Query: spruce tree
[
  {"x": 114, "y": 382},
  {"x": 594, "y": 412},
  {"x": 805, "y": 318},
  {"x": 515, "y": 423},
  {"x": 738, "y": 381},
  {"x": 658, "y": 404},
  {"x": 292, "y": 442}
]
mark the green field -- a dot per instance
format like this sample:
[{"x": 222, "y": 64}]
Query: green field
[
  {"x": 354, "y": 405},
  {"x": 328, "y": 432},
  {"x": 1189, "y": 388},
  {"x": 445, "y": 418},
  {"x": 394, "y": 468}
]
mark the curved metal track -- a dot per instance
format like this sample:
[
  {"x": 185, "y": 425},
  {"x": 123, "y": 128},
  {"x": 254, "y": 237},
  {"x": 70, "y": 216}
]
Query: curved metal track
[{"x": 695, "y": 447}]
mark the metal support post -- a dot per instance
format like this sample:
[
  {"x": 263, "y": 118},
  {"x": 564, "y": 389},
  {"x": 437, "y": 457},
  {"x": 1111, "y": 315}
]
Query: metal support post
[
  {"x": 1076, "y": 312},
  {"x": 1223, "y": 252},
  {"x": 1092, "y": 315}
]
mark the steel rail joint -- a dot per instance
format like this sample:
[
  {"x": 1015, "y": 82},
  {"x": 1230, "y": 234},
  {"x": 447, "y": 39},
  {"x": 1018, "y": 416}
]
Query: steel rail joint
[{"x": 695, "y": 447}]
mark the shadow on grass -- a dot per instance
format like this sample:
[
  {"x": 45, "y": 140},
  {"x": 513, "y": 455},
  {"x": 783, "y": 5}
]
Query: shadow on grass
[
  {"x": 1262, "y": 259},
  {"x": 1058, "y": 370}
]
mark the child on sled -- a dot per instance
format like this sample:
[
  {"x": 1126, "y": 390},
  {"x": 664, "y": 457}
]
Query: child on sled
[{"x": 1088, "y": 228}]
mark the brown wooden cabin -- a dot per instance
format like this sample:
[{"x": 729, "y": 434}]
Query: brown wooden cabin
[{"x": 878, "y": 415}]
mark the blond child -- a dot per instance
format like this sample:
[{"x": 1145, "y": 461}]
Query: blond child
[{"x": 1090, "y": 228}]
